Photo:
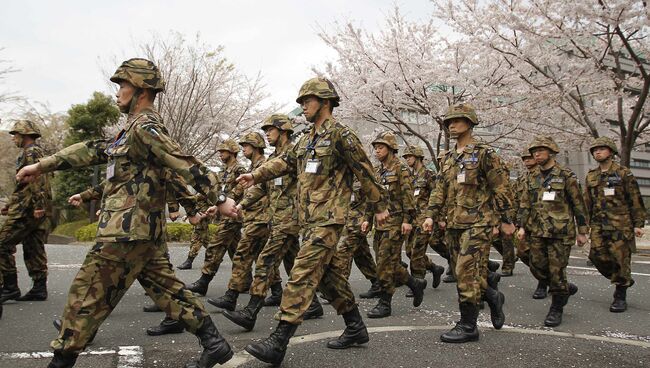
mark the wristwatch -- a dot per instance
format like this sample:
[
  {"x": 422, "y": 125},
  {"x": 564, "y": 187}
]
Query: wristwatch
[{"x": 220, "y": 199}]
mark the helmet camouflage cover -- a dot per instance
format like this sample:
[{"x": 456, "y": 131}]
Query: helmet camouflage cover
[
  {"x": 604, "y": 142},
  {"x": 25, "y": 127},
  {"x": 229, "y": 145},
  {"x": 279, "y": 121},
  {"x": 255, "y": 139},
  {"x": 462, "y": 110},
  {"x": 321, "y": 88},
  {"x": 525, "y": 153},
  {"x": 413, "y": 151},
  {"x": 544, "y": 141},
  {"x": 387, "y": 138},
  {"x": 141, "y": 73}
]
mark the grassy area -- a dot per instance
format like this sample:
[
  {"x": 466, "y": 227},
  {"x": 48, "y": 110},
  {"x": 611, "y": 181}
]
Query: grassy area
[
  {"x": 176, "y": 232},
  {"x": 70, "y": 228}
]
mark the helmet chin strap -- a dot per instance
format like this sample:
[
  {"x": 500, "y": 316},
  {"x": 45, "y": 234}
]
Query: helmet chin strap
[
  {"x": 317, "y": 114},
  {"x": 134, "y": 100}
]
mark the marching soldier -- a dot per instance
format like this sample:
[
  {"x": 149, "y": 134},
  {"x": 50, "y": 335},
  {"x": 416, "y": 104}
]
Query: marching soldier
[
  {"x": 200, "y": 235},
  {"x": 617, "y": 214},
  {"x": 550, "y": 210}
]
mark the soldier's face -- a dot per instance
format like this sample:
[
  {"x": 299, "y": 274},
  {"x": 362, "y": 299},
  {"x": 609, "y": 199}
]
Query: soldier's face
[
  {"x": 248, "y": 150},
  {"x": 457, "y": 127},
  {"x": 124, "y": 95},
  {"x": 541, "y": 155},
  {"x": 381, "y": 151},
  {"x": 529, "y": 162},
  {"x": 225, "y": 156},
  {"x": 272, "y": 135},
  {"x": 601, "y": 153},
  {"x": 17, "y": 138},
  {"x": 310, "y": 107},
  {"x": 410, "y": 160}
]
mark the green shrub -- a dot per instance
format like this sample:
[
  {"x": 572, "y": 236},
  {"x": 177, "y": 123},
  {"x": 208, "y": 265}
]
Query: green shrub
[
  {"x": 86, "y": 233},
  {"x": 176, "y": 232},
  {"x": 70, "y": 228}
]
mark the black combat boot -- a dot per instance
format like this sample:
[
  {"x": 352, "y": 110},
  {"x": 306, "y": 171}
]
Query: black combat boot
[
  {"x": 57, "y": 324},
  {"x": 200, "y": 286},
  {"x": 37, "y": 293},
  {"x": 228, "y": 301},
  {"x": 275, "y": 298},
  {"x": 554, "y": 316},
  {"x": 247, "y": 316},
  {"x": 449, "y": 276},
  {"x": 315, "y": 309},
  {"x": 187, "y": 265},
  {"x": 355, "y": 332},
  {"x": 10, "y": 290},
  {"x": 215, "y": 348},
  {"x": 493, "y": 279},
  {"x": 495, "y": 300},
  {"x": 1, "y": 311},
  {"x": 272, "y": 349},
  {"x": 493, "y": 265},
  {"x": 436, "y": 272},
  {"x": 373, "y": 292},
  {"x": 541, "y": 291},
  {"x": 465, "y": 329},
  {"x": 166, "y": 326},
  {"x": 60, "y": 360},
  {"x": 383, "y": 308},
  {"x": 619, "y": 304},
  {"x": 417, "y": 286},
  {"x": 151, "y": 308}
]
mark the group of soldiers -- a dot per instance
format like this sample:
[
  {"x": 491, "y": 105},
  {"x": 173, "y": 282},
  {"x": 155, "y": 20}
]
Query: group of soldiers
[{"x": 311, "y": 206}]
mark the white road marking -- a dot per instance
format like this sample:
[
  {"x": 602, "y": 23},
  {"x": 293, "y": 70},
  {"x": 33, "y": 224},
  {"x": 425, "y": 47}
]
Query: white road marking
[
  {"x": 47, "y": 354},
  {"x": 130, "y": 357}
]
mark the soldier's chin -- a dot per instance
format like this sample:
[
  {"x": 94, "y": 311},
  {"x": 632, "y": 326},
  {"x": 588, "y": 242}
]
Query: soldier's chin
[{"x": 123, "y": 109}]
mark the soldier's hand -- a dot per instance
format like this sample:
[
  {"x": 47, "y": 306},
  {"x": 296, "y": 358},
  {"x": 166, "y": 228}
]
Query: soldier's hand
[
  {"x": 39, "y": 213},
  {"x": 28, "y": 173},
  {"x": 174, "y": 215},
  {"x": 427, "y": 225},
  {"x": 406, "y": 228},
  {"x": 4, "y": 211},
  {"x": 382, "y": 217},
  {"x": 193, "y": 219},
  {"x": 442, "y": 225},
  {"x": 581, "y": 239},
  {"x": 75, "y": 200},
  {"x": 365, "y": 226},
  {"x": 98, "y": 212},
  {"x": 246, "y": 180},
  {"x": 521, "y": 234},
  {"x": 638, "y": 232},
  {"x": 495, "y": 231},
  {"x": 508, "y": 229},
  {"x": 228, "y": 208}
]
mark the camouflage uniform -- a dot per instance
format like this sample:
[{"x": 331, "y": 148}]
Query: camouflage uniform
[
  {"x": 505, "y": 245},
  {"x": 200, "y": 234},
  {"x": 21, "y": 226},
  {"x": 523, "y": 250},
  {"x": 130, "y": 236}
]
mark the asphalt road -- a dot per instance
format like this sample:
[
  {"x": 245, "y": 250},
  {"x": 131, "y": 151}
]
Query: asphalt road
[{"x": 590, "y": 335}]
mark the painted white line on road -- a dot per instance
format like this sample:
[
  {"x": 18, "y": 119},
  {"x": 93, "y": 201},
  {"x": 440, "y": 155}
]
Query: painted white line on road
[
  {"x": 572, "y": 257},
  {"x": 60, "y": 266},
  {"x": 593, "y": 269},
  {"x": 130, "y": 357},
  {"x": 47, "y": 354}
]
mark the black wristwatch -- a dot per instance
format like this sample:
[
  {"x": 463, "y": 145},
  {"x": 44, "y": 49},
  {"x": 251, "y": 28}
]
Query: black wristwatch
[{"x": 220, "y": 199}]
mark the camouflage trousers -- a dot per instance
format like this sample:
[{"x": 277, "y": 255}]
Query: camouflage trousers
[
  {"x": 390, "y": 272},
  {"x": 225, "y": 240},
  {"x": 354, "y": 246},
  {"x": 416, "y": 251},
  {"x": 281, "y": 247},
  {"x": 548, "y": 260},
  {"x": 523, "y": 250},
  {"x": 33, "y": 235},
  {"x": 506, "y": 248},
  {"x": 470, "y": 249},
  {"x": 253, "y": 239},
  {"x": 200, "y": 238},
  {"x": 611, "y": 253},
  {"x": 317, "y": 265},
  {"x": 105, "y": 276}
]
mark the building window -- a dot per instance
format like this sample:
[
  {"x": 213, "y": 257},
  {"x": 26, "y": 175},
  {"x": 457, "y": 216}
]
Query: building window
[
  {"x": 639, "y": 164},
  {"x": 643, "y": 182}
]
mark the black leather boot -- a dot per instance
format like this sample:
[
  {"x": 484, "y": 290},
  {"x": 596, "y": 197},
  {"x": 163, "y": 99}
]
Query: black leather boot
[
  {"x": 60, "y": 360},
  {"x": 228, "y": 301},
  {"x": 541, "y": 291},
  {"x": 493, "y": 265},
  {"x": 383, "y": 308},
  {"x": 10, "y": 290},
  {"x": 493, "y": 279},
  {"x": 495, "y": 300},
  {"x": 275, "y": 298},
  {"x": 57, "y": 324},
  {"x": 151, "y": 308},
  {"x": 355, "y": 332},
  {"x": 315, "y": 309},
  {"x": 37, "y": 293},
  {"x": 0, "y": 311},
  {"x": 554, "y": 316},
  {"x": 373, "y": 292},
  {"x": 272, "y": 349},
  {"x": 247, "y": 316},
  {"x": 436, "y": 272},
  {"x": 166, "y": 326},
  {"x": 449, "y": 276},
  {"x": 465, "y": 330},
  {"x": 216, "y": 349},
  {"x": 619, "y": 304},
  {"x": 187, "y": 265},
  {"x": 200, "y": 286},
  {"x": 417, "y": 286}
]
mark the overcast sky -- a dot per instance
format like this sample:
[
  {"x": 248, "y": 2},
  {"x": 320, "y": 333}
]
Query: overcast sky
[{"x": 60, "y": 46}]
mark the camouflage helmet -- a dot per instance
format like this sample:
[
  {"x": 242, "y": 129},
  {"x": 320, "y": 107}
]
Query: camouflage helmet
[
  {"x": 229, "y": 145},
  {"x": 141, "y": 73},
  {"x": 413, "y": 151},
  {"x": 603, "y": 142},
  {"x": 525, "y": 153},
  {"x": 462, "y": 110},
  {"x": 279, "y": 121},
  {"x": 255, "y": 139},
  {"x": 25, "y": 127},
  {"x": 387, "y": 138},
  {"x": 544, "y": 141},
  {"x": 321, "y": 88}
]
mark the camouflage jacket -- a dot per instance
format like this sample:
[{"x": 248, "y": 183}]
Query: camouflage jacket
[
  {"x": 473, "y": 188},
  {"x": 29, "y": 197},
  {"x": 423, "y": 184},
  {"x": 230, "y": 187},
  {"x": 552, "y": 205},
  {"x": 396, "y": 179},
  {"x": 257, "y": 211},
  {"x": 282, "y": 196},
  {"x": 133, "y": 202},
  {"x": 357, "y": 210},
  {"x": 325, "y": 160},
  {"x": 613, "y": 199}
]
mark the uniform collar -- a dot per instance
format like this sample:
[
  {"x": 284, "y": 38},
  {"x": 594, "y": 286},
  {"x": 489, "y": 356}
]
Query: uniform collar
[{"x": 324, "y": 128}]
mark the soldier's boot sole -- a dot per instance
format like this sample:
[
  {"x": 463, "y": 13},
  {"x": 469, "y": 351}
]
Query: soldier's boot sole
[
  {"x": 166, "y": 327},
  {"x": 459, "y": 335},
  {"x": 448, "y": 279},
  {"x": 348, "y": 339},
  {"x": 437, "y": 276},
  {"x": 10, "y": 295},
  {"x": 240, "y": 319},
  {"x": 223, "y": 304},
  {"x": 33, "y": 297}
]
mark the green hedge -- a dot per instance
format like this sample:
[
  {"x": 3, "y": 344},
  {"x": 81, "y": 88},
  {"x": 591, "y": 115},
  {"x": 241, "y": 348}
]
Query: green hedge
[
  {"x": 176, "y": 232},
  {"x": 70, "y": 228}
]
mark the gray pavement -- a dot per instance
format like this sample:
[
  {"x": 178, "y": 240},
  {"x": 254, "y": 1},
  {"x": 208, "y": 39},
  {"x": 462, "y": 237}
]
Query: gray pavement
[{"x": 590, "y": 336}]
